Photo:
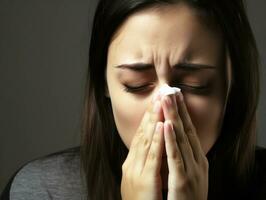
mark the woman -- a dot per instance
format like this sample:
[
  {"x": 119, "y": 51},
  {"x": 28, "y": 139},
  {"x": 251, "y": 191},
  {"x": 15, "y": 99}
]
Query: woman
[{"x": 197, "y": 144}]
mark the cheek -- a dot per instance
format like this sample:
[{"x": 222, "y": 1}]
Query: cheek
[
  {"x": 128, "y": 115},
  {"x": 206, "y": 113},
  {"x": 127, "y": 111}
]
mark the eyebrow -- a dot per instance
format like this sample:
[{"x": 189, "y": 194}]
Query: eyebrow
[
  {"x": 146, "y": 66},
  {"x": 136, "y": 66}
]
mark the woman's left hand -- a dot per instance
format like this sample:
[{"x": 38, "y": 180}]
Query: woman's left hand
[{"x": 187, "y": 163}]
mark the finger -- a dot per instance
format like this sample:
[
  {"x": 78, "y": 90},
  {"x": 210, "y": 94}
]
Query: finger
[
  {"x": 169, "y": 101},
  {"x": 189, "y": 128},
  {"x": 154, "y": 157},
  {"x": 174, "y": 156},
  {"x": 181, "y": 139},
  {"x": 137, "y": 137},
  {"x": 145, "y": 138},
  {"x": 170, "y": 112}
]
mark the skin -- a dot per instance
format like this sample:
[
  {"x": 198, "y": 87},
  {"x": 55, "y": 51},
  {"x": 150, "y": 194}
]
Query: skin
[{"x": 169, "y": 40}]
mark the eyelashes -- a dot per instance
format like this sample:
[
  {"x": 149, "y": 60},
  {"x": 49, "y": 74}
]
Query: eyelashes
[
  {"x": 195, "y": 87},
  {"x": 186, "y": 87},
  {"x": 133, "y": 89}
]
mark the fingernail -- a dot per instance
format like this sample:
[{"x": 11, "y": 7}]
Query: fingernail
[
  {"x": 157, "y": 107},
  {"x": 170, "y": 125},
  {"x": 158, "y": 127}
]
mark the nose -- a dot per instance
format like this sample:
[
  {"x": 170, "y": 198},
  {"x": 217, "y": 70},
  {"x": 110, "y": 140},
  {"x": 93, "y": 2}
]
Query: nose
[
  {"x": 164, "y": 74},
  {"x": 165, "y": 77}
]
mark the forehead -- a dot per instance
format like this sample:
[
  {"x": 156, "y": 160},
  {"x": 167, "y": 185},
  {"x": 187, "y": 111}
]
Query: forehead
[
  {"x": 158, "y": 21},
  {"x": 170, "y": 31}
]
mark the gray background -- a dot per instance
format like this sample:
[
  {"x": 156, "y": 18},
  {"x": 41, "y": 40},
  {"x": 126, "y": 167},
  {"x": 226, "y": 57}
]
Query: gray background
[{"x": 43, "y": 61}]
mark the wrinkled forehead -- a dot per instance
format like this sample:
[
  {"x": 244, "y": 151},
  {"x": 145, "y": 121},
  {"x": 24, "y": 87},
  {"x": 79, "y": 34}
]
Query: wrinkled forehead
[{"x": 169, "y": 33}]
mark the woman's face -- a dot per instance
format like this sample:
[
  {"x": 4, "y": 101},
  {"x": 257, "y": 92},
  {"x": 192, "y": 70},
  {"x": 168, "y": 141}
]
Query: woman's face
[{"x": 172, "y": 45}]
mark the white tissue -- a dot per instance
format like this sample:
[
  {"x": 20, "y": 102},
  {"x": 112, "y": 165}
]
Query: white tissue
[{"x": 166, "y": 90}]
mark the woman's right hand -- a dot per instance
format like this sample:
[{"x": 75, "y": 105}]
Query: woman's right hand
[{"x": 141, "y": 178}]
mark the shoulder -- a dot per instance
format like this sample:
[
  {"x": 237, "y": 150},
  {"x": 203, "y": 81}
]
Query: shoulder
[{"x": 56, "y": 176}]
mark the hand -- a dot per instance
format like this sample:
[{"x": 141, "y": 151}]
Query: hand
[
  {"x": 141, "y": 178},
  {"x": 187, "y": 163}
]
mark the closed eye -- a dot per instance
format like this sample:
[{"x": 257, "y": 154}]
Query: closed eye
[
  {"x": 133, "y": 89},
  {"x": 195, "y": 89},
  {"x": 184, "y": 87},
  {"x": 198, "y": 87}
]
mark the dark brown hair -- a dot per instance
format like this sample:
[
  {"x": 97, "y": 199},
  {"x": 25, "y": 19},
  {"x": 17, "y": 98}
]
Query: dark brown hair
[{"x": 103, "y": 152}]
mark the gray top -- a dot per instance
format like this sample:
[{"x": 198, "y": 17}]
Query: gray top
[{"x": 56, "y": 176}]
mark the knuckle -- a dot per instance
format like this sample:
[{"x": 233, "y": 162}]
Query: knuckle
[
  {"x": 124, "y": 167},
  {"x": 145, "y": 142},
  {"x": 173, "y": 114},
  {"x": 184, "y": 140},
  {"x": 205, "y": 164},
  {"x": 134, "y": 142},
  {"x": 181, "y": 185},
  {"x": 152, "y": 156},
  {"x": 191, "y": 131},
  {"x": 184, "y": 184},
  {"x": 178, "y": 163},
  {"x": 175, "y": 156},
  {"x": 179, "y": 125},
  {"x": 140, "y": 130},
  {"x": 156, "y": 139},
  {"x": 137, "y": 137},
  {"x": 153, "y": 118},
  {"x": 150, "y": 124}
]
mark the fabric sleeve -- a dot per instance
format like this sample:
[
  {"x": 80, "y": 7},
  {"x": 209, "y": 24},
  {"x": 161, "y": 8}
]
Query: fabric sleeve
[{"x": 28, "y": 184}]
